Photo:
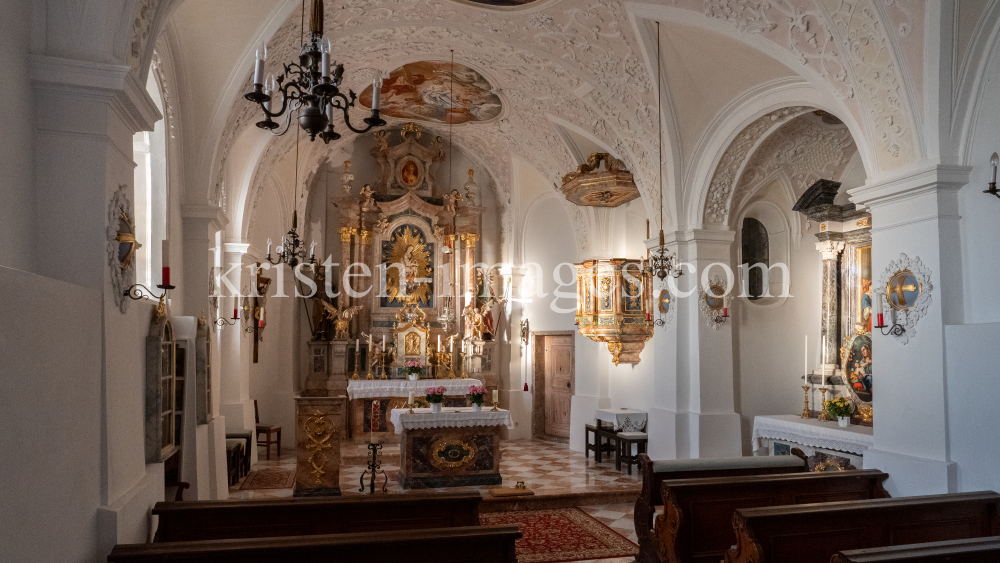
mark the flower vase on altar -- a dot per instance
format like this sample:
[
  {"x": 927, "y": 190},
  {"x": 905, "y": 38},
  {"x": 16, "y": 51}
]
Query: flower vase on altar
[
  {"x": 475, "y": 396},
  {"x": 412, "y": 370},
  {"x": 435, "y": 396}
]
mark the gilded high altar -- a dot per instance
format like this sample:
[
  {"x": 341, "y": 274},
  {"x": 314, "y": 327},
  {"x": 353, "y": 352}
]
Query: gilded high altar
[{"x": 424, "y": 239}]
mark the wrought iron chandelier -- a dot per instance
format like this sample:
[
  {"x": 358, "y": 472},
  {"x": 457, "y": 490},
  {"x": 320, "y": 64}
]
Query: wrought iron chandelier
[
  {"x": 661, "y": 261},
  {"x": 292, "y": 249},
  {"x": 312, "y": 88}
]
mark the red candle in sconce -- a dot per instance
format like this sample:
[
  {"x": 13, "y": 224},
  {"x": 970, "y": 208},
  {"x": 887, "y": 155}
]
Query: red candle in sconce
[
  {"x": 725, "y": 312},
  {"x": 165, "y": 262},
  {"x": 881, "y": 323}
]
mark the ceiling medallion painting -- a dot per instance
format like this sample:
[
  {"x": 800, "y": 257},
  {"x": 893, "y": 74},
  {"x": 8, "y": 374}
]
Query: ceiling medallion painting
[
  {"x": 504, "y": 3},
  {"x": 423, "y": 90}
]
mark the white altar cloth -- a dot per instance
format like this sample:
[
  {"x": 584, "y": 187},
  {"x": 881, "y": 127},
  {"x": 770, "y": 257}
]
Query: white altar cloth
[
  {"x": 366, "y": 389},
  {"x": 453, "y": 417},
  {"x": 624, "y": 420},
  {"x": 811, "y": 432}
]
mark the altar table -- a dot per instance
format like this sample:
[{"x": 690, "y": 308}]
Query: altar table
[
  {"x": 388, "y": 394},
  {"x": 453, "y": 448},
  {"x": 623, "y": 420},
  {"x": 779, "y": 432}
]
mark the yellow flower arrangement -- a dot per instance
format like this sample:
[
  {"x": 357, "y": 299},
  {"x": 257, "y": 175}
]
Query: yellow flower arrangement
[{"x": 839, "y": 407}]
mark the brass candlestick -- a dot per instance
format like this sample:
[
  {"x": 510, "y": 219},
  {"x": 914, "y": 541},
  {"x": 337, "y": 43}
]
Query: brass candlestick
[
  {"x": 446, "y": 360},
  {"x": 461, "y": 356},
  {"x": 494, "y": 409},
  {"x": 382, "y": 357},
  {"x": 357, "y": 358},
  {"x": 805, "y": 409},
  {"x": 822, "y": 412},
  {"x": 453, "y": 360},
  {"x": 410, "y": 406},
  {"x": 369, "y": 377}
]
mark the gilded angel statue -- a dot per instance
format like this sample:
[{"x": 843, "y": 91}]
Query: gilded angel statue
[{"x": 341, "y": 319}]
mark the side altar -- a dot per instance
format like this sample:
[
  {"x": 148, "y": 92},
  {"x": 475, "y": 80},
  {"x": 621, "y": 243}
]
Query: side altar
[
  {"x": 827, "y": 445},
  {"x": 456, "y": 447}
]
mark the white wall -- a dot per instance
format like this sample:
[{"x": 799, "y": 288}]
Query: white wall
[
  {"x": 17, "y": 196},
  {"x": 51, "y": 444}
]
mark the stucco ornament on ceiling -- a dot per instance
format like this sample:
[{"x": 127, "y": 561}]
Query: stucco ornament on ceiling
[
  {"x": 909, "y": 317},
  {"x": 805, "y": 149},
  {"x": 733, "y": 159}
]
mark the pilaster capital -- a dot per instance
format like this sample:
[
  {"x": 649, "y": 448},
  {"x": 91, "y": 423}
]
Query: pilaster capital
[
  {"x": 830, "y": 249},
  {"x": 211, "y": 216},
  {"x": 238, "y": 248}
]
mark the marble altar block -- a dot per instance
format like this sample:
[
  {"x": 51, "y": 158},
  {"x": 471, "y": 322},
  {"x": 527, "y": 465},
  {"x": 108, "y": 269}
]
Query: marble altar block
[
  {"x": 453, "y": 448},
  {"x": 317, "y": 463},
  {"x": 389, "y": 394}
]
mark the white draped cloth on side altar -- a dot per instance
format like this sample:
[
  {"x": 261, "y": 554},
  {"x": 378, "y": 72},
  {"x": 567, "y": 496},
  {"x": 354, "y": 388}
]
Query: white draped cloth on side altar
[
  {"x": 367, "y": 389},
  {"x": 811, "y": 432},
  {"x": 456, "y": 417}
]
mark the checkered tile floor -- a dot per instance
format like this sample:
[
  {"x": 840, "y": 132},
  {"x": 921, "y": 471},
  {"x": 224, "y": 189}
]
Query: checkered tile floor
[{"x": 547, "y": 468}]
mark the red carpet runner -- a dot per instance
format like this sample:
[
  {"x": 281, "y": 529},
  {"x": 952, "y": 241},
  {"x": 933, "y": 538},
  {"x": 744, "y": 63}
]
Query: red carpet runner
[
  {"x": 565, "y": 534},
  {"x": 269, "y": 479}
]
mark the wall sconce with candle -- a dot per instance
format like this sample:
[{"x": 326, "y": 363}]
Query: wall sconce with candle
[
  {"x": 135, "y": 291},
  {"x": 994, "y": 161}
]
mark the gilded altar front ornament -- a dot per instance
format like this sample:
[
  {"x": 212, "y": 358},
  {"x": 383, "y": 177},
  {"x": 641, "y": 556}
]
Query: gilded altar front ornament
[
  {"x": 590, "y": 186},
  {"x": 614, "y": 306}
]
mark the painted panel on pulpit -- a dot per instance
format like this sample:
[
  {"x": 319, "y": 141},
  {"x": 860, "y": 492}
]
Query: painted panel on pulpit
[
  {"x": 408, "y": 247},
  {"x": 858, "y": 367}
]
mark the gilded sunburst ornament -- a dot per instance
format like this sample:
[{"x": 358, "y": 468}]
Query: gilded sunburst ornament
[{"x": 408, "y": 248}]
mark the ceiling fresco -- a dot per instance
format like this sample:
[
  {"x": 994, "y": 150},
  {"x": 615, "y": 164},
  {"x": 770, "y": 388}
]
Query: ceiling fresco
[{"x": 423, "y": 91}]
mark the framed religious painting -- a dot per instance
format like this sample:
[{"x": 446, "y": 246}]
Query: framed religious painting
[
  {"x": 409, "y": 173},
  {"x": 858, "y": 369},
  {"x": 863, "y": 299}
]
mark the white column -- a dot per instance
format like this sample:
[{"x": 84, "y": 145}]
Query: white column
[
  {"x": 916, "y": 214},
  {"x": 234, "y": 350},
  {"x": 696, "y": 407},
  {"x": 511, "y": 381}
]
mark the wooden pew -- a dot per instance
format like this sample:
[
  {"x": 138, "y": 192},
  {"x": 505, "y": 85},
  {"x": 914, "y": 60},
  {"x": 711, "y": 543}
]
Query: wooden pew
[
  {"x": 695, "y": 526},
  {"x": 813, "y": 533},
  {"x": 479, "y": 544},
  {"x": 976, "y": 550},
  {"x": 217, "y": 520},
  {"x": 654, "y": 473}
]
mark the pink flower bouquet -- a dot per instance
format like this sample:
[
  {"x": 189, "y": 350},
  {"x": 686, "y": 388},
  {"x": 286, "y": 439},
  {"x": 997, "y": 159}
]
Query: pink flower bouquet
[
  {"x": 476, "y": 393},
  {"x": 435, "y": 394},
  {"x": 412, "y": 366}
]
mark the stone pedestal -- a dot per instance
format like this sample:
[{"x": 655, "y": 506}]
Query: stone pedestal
[{"x": 317, "y": 440}]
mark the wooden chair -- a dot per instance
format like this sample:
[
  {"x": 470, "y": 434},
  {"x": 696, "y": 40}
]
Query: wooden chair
[
  {"x": 267, "y": 430},
  {"x": 246, "y": 436},
  {"x": 625, "y": 441},
  {"x": 814, "y": 533},
  {"x": 234, "y": 455}
]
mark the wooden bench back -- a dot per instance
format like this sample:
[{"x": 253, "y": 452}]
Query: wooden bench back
[
  {"x": 976, "y": 550},
  {"x": 216, "y": 520},
  {"x": 813, "y": 533},
  {"x": 650, "y": 495},
  {"x": 696, "y": 523},
  {"x": 479, "y": 544}
]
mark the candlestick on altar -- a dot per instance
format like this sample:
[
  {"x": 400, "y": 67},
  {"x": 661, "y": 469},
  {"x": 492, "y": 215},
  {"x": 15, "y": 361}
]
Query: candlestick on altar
[
  {"x": 805, "y": 409},
  {"x": 369, "y": 376},
  {"x": 822, "y": 410},
  {"x": 496, "y": 400},
  {"x": 357, "y": 358},
  {"x": 461, "y": 360}
]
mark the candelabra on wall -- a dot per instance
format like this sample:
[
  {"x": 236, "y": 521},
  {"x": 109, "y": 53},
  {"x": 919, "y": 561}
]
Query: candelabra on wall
[
  {"x": 994, "y": 161},
  {"x": 714, "y": 303}
]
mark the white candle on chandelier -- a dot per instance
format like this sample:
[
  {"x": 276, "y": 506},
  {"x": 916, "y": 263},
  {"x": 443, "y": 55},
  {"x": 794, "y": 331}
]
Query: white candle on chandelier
[
  {"x": 325, "y": 57},
  {"x": 312, "y": 250},
  {"x": 269, "y": 247},
  {"x": 377, "y": 93},
  {"x": 258, "y": 67}
]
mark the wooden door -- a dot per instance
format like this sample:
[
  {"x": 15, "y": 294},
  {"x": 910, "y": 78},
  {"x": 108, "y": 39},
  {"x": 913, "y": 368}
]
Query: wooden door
[{"x": 558, "y": 384}]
